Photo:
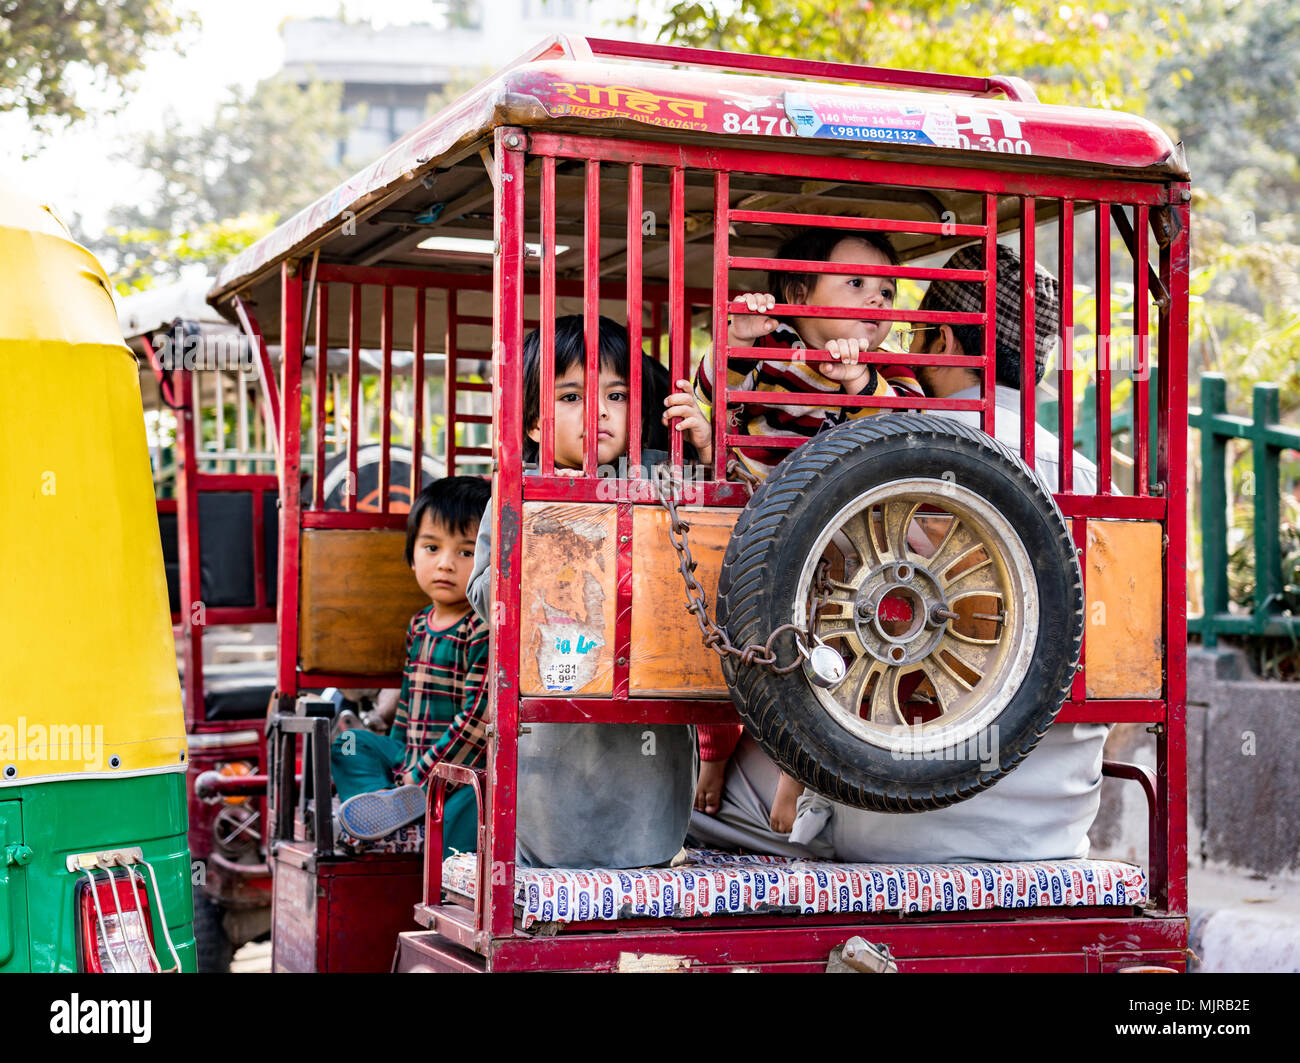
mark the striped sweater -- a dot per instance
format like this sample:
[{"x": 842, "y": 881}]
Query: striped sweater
[{"x": 782, "y": 377}]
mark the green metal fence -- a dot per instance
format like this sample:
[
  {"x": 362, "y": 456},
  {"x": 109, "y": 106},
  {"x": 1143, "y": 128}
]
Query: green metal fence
[{"x": 1267, "y": 438}]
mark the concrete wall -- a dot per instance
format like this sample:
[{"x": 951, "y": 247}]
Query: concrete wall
[{"x": 1243, "y": 773}]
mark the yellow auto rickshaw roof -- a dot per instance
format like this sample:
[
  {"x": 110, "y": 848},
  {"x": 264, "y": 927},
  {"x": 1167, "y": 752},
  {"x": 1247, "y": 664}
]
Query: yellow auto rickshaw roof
[{"x": 88, "y": 664}]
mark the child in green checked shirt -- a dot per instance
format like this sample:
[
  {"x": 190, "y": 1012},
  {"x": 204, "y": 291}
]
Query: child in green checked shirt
[{"x": 442, "y": 709}]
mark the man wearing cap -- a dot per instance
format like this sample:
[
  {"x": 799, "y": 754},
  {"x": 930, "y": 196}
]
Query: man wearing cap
[{"x": 1042, "y": 810}]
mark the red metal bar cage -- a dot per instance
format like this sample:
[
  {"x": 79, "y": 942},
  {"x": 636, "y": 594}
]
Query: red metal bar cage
[{"x": 698, "y": 191}]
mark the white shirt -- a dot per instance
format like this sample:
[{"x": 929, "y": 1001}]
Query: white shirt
[{"x": 1040, "y": 811}]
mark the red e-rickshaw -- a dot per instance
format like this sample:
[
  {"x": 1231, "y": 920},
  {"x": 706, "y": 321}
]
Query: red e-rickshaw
[
  {"x": 212, "y": 421},
  {"x": 652, "y": 184}
]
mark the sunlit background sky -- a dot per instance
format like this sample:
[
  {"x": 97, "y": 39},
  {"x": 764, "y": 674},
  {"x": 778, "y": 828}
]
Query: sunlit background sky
[{"x": 237, "y": 42}]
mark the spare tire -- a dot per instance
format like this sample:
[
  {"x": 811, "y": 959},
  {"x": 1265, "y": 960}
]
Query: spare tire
[{"x": 938, "y": 567}]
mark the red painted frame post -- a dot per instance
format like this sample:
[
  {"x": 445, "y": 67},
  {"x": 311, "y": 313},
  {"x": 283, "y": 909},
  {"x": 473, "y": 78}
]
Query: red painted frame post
[
  {"x": 507, "y": 520},
  {"x": 1065, "y": 401},
  {"x": 1171, "y": 744},
  {"x": 1028, "y": 332},
  {"x": 290, "y": 492},
  {"x": 721, "y": 330}
]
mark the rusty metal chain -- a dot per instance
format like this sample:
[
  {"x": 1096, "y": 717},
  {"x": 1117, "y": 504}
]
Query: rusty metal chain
[{"x": 697, "y": 599}]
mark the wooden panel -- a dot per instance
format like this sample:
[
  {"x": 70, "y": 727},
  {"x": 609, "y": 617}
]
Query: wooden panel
[
  {"x": 1124, "y": 647},
  {"x": 668, "y": 655},
  {"x": 358, "y": 596},
  {"x": 568, "y": 598}
]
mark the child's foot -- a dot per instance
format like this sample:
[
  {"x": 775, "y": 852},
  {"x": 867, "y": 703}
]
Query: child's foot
[{"x": 371, "y": 816}]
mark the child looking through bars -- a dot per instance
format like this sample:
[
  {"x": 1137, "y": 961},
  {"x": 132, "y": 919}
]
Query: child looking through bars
[
  {"x": 773, "y": 795},
  {"x": 592, "y": 795}
]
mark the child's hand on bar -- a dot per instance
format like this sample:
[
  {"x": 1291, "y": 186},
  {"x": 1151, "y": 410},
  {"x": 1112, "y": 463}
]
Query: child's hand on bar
[
  {"x": 691, "y": 422},
  {"x": 744, "y": 329},
  {"x": 852, "y": 374}
]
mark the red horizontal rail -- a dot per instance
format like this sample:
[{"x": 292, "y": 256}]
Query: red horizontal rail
[
  {"x": 633, "y": 710},
  {"x": 234, "y": 614},
  {"x": 890, "y": 402},
  {"x": 464, "y": 385},
  {"x": 988, "y": 933},
  {"x": 591, "y": 489},
  {"x": 166, "y": 505},
  {"x": 1113, "y": 507},
  {"x": 935, "y": 317},
  {"x": 920, "y": 273},
  {"x": 879, "y": 357},
  {"x": 355, "y": 521},
  {"x": 1112, "y": 711},
  {"x": 648, "y": 709},
  {"x": 220, "y": 481},
  {"x": 877, "y": 225},
  {"x": 820, "y": 70}
]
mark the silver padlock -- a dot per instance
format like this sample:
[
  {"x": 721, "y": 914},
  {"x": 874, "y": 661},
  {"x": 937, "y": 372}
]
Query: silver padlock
[{"x": 824, "y": 666}]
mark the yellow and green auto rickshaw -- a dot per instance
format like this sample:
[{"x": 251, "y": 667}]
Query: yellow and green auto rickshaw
[{"x": 94, "y": 867}]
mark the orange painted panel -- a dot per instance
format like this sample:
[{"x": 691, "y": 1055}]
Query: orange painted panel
[
  {"x": 358, "y": 596},
  {"x": 1124, "y": 642},
  {"x": 568, "y": 598},
  {"x": 668, "y": 655}
]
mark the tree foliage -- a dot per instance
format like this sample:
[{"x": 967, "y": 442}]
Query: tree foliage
[
  {"x": 44, "y": 43},
  {"x": 210, "y": 192},
  {"x": 1071, "y": 52}
]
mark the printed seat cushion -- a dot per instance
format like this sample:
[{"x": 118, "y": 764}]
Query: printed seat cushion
[{"x": 717, "y": 883}]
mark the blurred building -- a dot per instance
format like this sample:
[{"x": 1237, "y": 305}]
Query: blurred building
[{"x": 389, "y": 73}]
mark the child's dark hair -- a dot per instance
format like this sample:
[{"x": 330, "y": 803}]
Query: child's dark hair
[
  {"x": 457, "y": 502},
  {"x": 816, "y": 245},
  {"x": 570, "y": 350}
]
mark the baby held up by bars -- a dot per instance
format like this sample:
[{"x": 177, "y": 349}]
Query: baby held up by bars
[{"x": 758, "y": 810}]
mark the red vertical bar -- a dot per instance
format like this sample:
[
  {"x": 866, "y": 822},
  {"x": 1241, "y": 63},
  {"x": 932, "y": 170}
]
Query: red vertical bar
[
  {"x": 507, "y": 520},
  {"x": 290, "y": 492},
  {"x": 1171, "y": 747},
  {"x": 546, "y": 451},
  {"x": 721, "y": 296},
  {"x": 677, "y": 341},
  {"x": 318, "y": 393},
  {"x": 354, "y": 391},
  {"x": 591, "y": 315},
  {"x": 450, "y": 374},
  {"x": 1142, "y": 359},
  {"x": 1028, "y": 333},
  {"x": 187, "y": 535},
  {"x": 1066, "y": 403},
  {"x": 417, "y": 385},
  {"x": 1079, "y": 528},
  {"x": 635, "y": 308},
  {"x": 386, "y": 397},
  {"x": 989, "y": 394},
  {"x": 1103, "y": 348},
  {"x": 623, "y": 605}
]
